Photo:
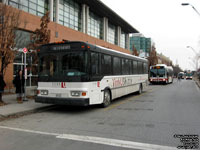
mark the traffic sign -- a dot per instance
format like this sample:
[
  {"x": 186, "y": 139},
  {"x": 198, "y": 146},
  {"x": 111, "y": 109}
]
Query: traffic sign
[{"x": 25, "y": 50}]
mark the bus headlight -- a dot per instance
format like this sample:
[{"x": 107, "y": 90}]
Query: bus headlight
[
  {"x": 44, "y": 92},
  {"x": 75, "y": 93},
  {"x": 78, "y": 93}
]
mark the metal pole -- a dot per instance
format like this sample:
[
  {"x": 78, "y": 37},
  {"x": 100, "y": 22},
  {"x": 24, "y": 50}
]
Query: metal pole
[
  {"x": 25, "y": 77},
  {"x": 30, "y": 77},
  {"x": 195, "y": 10}
]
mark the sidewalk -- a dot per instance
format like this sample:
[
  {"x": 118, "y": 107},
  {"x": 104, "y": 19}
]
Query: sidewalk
[
  {"x": 197, "y": 81},
  {"x": 13, "y": 108}
]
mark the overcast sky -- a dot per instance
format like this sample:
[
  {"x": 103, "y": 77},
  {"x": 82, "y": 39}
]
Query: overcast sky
[{"x": 172, "y": 26}]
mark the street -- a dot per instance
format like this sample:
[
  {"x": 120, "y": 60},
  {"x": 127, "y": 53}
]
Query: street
[{"x": 146, "y": 121}]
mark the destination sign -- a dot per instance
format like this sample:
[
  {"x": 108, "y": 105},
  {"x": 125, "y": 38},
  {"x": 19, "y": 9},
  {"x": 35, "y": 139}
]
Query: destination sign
[{"x": 60, "y": 47}]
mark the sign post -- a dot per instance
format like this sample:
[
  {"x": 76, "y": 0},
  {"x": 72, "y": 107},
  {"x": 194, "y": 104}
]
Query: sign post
[{"x": 25, "y": 50}]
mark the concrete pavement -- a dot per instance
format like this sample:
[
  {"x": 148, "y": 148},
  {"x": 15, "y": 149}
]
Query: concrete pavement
[
  {"x": 153, "y": 117},
  {"x": 13, "y": 108}
]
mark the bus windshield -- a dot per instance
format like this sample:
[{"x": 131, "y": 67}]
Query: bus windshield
[
  {"x": 157, "y": 72},
  {"x": 189, "y": 74},
  {"x": 65, "y": 65},
  {"x": 73, "y": 64}
]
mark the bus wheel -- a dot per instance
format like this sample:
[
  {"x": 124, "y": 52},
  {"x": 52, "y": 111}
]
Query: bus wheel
[
  {"x": 140, "y": 89},
  {"x": 106, "y": 99}
]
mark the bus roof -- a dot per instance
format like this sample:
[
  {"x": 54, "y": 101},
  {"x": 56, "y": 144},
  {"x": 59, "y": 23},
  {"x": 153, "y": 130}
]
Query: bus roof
[
  {"x": 162, "y": 65},
  {"x": 98, "y": 49},
  {"x": 115, "y": 52},
  {"x": 159, "y": 65}
]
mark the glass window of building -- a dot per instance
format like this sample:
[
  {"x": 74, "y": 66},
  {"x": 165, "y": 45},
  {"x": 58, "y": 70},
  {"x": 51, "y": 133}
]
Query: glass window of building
[
  {"x": 112, "y": 34},
  {"x": 70, "y": 14},
  {"x": 35, "y": 7},
  {"x": 22, "y": 39},
  {"x": 95, "y": 26},
  {"x": 122, "y": 39}
]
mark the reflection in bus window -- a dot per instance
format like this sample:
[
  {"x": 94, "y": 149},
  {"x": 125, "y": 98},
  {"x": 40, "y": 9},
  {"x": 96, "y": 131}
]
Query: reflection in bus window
[
  {"x": 73, "y": 64},
  {"x": 135, "y": 67},
  {"x": 95, "y": 63},
  {"x": 48, "y": 65}
]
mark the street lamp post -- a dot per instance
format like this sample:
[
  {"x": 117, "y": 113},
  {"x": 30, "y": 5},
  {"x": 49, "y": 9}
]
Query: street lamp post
[
  {"x": 197, "y": 56},
  {"x": 192, "y": 49},
  {"x": 187, "y": 4}
]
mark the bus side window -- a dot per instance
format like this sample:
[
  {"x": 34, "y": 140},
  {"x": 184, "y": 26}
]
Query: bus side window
[
  {"x": 106, "y": 66},
  {"x": 94, "y": 63},
  {"x": 117, "y": 66},
  {"x": 140, "y": 67},
  {"x": 130, "y": 67},
  {"x": 135, "y": 68},
  {"x": 146, "y": 68},
  {"x": 125, "y": 67}
]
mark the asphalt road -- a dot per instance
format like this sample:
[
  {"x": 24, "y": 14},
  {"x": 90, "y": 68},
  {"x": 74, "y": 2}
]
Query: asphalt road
[{"x": 147, "y": 121}]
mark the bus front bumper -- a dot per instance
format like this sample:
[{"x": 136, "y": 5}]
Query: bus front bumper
[{"x": 63, "y": 101}]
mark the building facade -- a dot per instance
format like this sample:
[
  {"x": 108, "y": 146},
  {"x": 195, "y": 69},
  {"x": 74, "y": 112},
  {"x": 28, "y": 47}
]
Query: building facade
[
  {"x": 162, "y": 59},
  {"x": 141, "y": 43},
  {"x": 74, "y": 20}
]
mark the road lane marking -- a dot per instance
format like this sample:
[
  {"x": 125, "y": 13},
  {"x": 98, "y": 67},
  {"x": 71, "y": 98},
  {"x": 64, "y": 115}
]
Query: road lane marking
[
  {"x": 29, "y": 131},
  {"x": 98, "y": 140}
]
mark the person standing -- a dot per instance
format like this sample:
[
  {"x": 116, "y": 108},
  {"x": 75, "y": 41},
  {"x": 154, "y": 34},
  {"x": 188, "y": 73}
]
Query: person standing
[
  {"x": 2, "y": 86},
  {"x": 19, "y": 84}
]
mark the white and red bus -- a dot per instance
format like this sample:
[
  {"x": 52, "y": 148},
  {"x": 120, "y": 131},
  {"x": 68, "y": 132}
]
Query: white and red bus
[
  {"x": 78, "y": 73},
  {"x": 161, "y": 73}
]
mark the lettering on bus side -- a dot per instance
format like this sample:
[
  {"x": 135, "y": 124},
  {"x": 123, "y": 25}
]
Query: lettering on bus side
[
  {"x": 118, "y": 82},
  {"x": 63, "y": 85}
]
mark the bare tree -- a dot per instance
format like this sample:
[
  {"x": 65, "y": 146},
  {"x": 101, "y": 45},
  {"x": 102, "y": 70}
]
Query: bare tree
[
  {"x": 135, "y": 52},
  {"x": 9, "y": 21},
  {"x": 153, "y": 59},
  {"x": 42, "y": 35},
  {"x": 39, "y": 37},
  {"x": 176, "y": 69}
]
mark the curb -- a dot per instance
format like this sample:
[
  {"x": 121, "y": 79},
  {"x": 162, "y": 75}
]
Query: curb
[
  {"x": 197, "y": 83},
  {"x": 27, "y": 112}
]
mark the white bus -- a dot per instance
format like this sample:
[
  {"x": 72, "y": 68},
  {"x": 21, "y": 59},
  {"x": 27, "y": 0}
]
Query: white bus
[
  {"x": 78, "y": 73},
  {"x": 161, "y": 73}
]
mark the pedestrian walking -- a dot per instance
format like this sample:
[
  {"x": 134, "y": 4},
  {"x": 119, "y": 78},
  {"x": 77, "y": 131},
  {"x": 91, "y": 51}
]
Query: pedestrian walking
[
  {"x": 2, "y": 86},
  {"x": 19, "y": 84}
]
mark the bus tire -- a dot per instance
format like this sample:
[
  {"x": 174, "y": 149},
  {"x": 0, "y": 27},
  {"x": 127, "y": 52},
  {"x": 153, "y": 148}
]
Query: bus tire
[
  {"x": 106, "y": 99},
  {"x": 140, "y": 89}
]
